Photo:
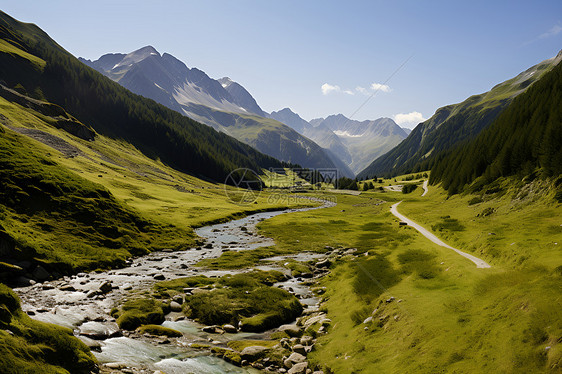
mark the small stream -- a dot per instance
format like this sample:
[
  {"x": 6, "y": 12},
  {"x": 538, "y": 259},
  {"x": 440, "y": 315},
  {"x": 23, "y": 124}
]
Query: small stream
[{"x": 74, "y": 302}]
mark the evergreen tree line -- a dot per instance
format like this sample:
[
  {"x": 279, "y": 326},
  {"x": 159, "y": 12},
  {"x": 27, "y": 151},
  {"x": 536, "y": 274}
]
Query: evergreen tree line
[{"x": 525, "y": 139}]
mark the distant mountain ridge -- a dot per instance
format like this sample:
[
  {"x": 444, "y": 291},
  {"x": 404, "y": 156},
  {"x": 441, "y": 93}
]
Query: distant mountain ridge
[
  {"x": 222, "y": 104},
  {"x": 356, "y": 143},
  {"x": 453, "y": 124}
]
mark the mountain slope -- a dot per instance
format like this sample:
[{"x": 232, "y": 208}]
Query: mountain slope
[
  {"x": 452, "y": 124},
  {"x": 222, "y": 104},
  {"x": 525, "y": 139},
  {"x": 112, "y": 110},
  {"x": 266, "y": 135},
  {"x": 241, "y": 96}
]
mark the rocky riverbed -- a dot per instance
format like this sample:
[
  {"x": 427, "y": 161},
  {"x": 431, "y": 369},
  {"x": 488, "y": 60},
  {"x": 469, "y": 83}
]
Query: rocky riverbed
[{"x": 83, "y": 303}]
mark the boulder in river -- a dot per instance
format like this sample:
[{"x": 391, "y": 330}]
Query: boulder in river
[
  {"x": 323, "y": 264},
  {"x": 67, "y": 287},
  {"x": 229, "y": 329},
  {"x": 99, "y": 330},
  {"x": 159, "y": 277},
  {"x": 106, "y": 287},
  {"x": 214, "y": 329},
  {"x": 253, "y": 352},
  {"x": 291, "y": 330},
  {"x": 175, "y": 306},
  {"x": 91, "y": 343},
  {"x": 299, "y": 348}
]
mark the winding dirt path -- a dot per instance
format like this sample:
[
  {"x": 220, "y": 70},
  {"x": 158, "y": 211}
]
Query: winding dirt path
[
  {"x": 479, "y": 263},
  {"x": 424, "y": 186}
]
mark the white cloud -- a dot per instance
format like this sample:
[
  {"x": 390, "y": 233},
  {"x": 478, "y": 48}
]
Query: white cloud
[
  {"x": 554, "y": 30},
  {"x": 362, "y": 90},
  {"x": 328, "y": 88},
  {"x": 380, "y": 87},
  {"x": 408, "y": 119}
]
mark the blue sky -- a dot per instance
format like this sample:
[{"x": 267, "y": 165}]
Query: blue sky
[{"x": 322, "y": 57}]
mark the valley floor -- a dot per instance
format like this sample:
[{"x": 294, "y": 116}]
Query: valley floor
[{"x": 406, "y": 304}]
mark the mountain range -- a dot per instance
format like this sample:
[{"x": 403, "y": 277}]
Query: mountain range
[
  {"x": 228, "y": 107},
  {"x": 222, "y": 104}
]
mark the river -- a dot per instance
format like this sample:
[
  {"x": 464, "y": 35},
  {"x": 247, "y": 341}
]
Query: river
[{"x": 72, "y": 302}]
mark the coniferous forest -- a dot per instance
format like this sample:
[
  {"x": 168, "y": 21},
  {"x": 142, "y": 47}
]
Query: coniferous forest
[{"x": 524, "y": 140}]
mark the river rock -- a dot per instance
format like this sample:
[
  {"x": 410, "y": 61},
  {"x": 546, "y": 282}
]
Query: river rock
[
  {"x": 175, "y": 307},
  {"x": 291, "y": 330},
  {"x": 159, "y": 277},
  {"x": 299, "y": 368},
  {"x": 299, "y": 348},
  {"x": 323, "y": 264},
  {"x": 320, "y": 318},
  {"x": 214, "y": 329},
  {"x": 67, "y": 287},
  {"x": 99, "y": 330},
  {"x": 296, "y": 358},
  {"x": 253, "y": 352},
  {"x": 307, "y": 340},
  {"x": 178, "y": 299},
  {"x": 106, "y": 287},
  {"x": 116, "y": 365},
  {"x": 230, "y": 329},
  {"x": 127, "y": 287},
  {"x": 91, "y": 343}
]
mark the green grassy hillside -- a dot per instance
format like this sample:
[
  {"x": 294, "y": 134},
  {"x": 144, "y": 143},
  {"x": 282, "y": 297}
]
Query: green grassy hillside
[
  {"x": 72, "y": 204},
  {"x": 453, "y": 124},
  {"x": 433, "y": 310},
  {"x": 525, "y": 140}
]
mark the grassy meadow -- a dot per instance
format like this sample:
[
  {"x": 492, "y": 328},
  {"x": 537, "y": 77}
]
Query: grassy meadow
[
  {"x": 433, "y": 310},
  {"x": 161, "y": 203}
]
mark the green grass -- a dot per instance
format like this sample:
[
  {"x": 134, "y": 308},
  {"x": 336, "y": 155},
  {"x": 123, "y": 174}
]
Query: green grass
[
  {"x": 239, "y": 345},
  {"x": 452, "y": 316},
  {"x": 245, "y": 298},
  {"x": 159, "y": 330},
  {"x": 29, "y": 346},
  {"x": 140, "y": 311},
  {"x": 6, "y": 47}
]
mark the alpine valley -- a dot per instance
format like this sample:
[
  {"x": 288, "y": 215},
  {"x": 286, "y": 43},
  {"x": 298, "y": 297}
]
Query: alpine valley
[{"x": 156, "y": 220}]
